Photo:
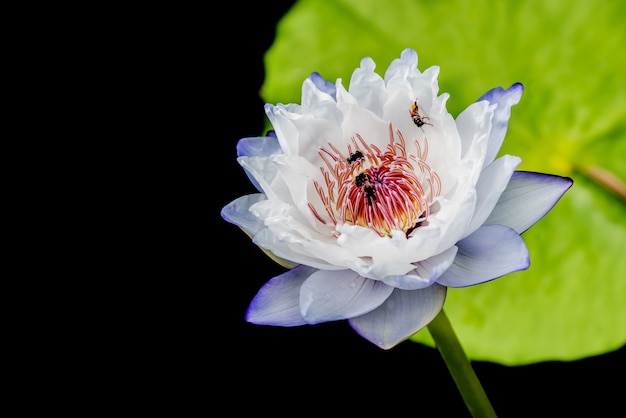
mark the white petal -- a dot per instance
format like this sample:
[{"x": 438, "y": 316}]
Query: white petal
[
  {"x": 376, "y": 257},
  {"x": 400, "y": 67},
  {"x": 490, "y": 252},
  {"x": 360, "y": 120},
  {"x": 317, "y": 102},
  {"x": 444, "y": 146},
  {"x": 262, "y": 173},
  {"x": 425, "y": 273},
  {"x": 504, "y": 100},
  {"x": 492, "y": 182},
  {"x": 453, "y": 219},
  {"x": 340, "y": 294},
  {"x": 281, "y": 117},
  {"x": 301, "y": 130},
  {"x": 527, "y": 198},
  {"x": 368, "y": 87},
  {"x": 403, "y": 314},
  {"x": 403, "y": 77},
  {"x": 285, "y": 244},
  {"x": 474, "y": 125},
  {"x": 287, "y": 181},
  {"x": 238, "y": 212},
  {"x": 278, "y": 301},
  {"x": 297, "y": 174}
]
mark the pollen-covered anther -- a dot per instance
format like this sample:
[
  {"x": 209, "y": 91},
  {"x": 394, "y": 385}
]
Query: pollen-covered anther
[{"x": 382, "y": 190}]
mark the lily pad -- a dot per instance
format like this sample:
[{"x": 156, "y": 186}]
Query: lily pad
[{"x": 571, "y": 302}]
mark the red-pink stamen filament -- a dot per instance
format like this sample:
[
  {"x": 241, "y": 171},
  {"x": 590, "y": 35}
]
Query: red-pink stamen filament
[{"x": 383, "y": 191}]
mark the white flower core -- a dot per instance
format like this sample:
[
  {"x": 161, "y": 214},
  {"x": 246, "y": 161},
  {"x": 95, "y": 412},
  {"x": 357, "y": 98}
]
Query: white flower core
[{"x": 379, "y": 189}]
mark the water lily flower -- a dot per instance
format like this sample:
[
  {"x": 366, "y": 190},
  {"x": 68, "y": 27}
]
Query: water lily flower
[{"x": 378, "y": 200}]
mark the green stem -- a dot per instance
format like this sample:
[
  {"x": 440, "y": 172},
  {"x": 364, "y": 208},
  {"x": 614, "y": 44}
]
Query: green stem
[{"x": 460, "y": 368}]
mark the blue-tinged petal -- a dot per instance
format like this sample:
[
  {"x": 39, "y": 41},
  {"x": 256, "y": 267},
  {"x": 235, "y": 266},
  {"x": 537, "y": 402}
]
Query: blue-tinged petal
[
  {"x": 281, "y": 117},
  {"x": 318, "y": 104},
  {"x": 261, "y": 172},
  {"x": 490, "y": 252},
  {"x": 238, "y": 212},
  {"x": 277, "y": 302},
  {"x": 261, "y": 146},
  {"x": 425, "y": 273},
  {"x": 339, "y": 294},
  {"x": 527, "y": 198},
  {"x": 491, "y": 184},
  {"x": 407, "y": 60},
  {"x": 504, "y": 99},
  {"x": 403, "y": 314},
  {"x": 327, "y": 87}
]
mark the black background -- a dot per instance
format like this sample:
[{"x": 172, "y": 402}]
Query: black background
[{"x": 328, "y": 367}]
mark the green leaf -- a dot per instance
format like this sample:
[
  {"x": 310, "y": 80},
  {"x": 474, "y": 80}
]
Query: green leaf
[{"x": 571, "y": 302}]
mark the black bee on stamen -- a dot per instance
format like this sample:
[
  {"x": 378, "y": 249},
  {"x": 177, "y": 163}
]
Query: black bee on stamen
[
  {"x": 363, "y": 182},
  {"x": 370, "y": 193},
  {"x": 355, "y": 156},
  {"x": 361, "y": 179}
]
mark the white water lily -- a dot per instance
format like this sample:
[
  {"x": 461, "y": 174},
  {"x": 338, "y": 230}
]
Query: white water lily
[{"x": 377, "y": 199}]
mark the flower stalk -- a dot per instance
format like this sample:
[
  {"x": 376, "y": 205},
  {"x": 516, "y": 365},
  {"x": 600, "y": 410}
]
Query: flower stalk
[
  {"x": 606, "y": 179},
  {"x": 460, "y": 368}
]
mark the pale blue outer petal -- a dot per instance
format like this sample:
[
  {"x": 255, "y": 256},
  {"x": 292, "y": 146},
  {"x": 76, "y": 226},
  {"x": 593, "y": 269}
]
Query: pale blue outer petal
[
  {"x": 491, "y": 184},
  {"x": 327, "y": 87},
  {"x": 490, "y": 252},
  {"x": 238, "y": 212},
  {"x": 426, "y": 272},
  {"x": 527, "y": 198},
  {"x": 339, "y": 294},
  {"x": 261, "y": 146},
  {"x": 278, "y": 300},
  {"x": 504, "y": 99},
  {"x": 403, "y": 314}
]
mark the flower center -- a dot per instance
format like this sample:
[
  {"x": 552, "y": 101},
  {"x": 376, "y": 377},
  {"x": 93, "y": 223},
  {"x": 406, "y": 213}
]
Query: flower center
[{"x": 382, "y": 190}]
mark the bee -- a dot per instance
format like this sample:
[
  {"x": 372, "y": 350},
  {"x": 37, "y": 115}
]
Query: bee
[
  {"x": 363, "y": 182},
  {"x": 361, "y": 179},
  {"x": 370, "y": 193},
  {"x": 418, "y": 120},
  {"x": 355, "y": 156}
]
